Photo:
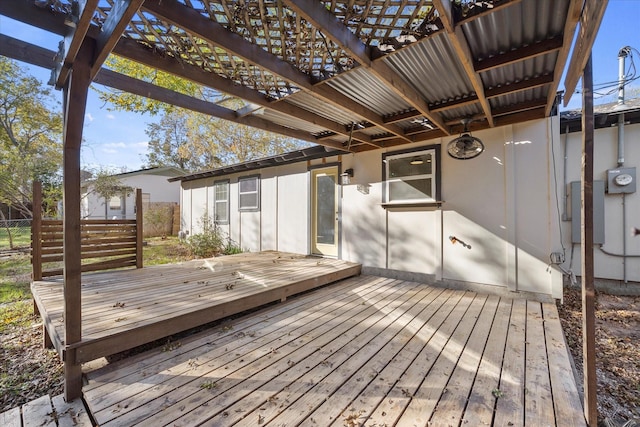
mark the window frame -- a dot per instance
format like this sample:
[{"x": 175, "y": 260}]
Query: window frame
[
  {"x": 215, "y": 201},
  {"x": 435, "y": 176},
  {"x": 255, "y": 208}
]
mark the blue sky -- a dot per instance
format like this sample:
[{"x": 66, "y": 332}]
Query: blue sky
[{"x": 118, "y": 139}]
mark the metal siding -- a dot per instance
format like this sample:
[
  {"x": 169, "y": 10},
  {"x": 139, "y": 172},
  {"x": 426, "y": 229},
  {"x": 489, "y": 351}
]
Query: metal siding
[{"x": 425, "y": 66}]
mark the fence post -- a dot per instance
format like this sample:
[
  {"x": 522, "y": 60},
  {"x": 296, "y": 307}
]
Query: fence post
[
  {"x": 36, "y": 232},
  {"x": 139, "y": 228}
]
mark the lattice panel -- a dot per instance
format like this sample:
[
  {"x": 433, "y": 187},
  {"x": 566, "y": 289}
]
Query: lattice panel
[{"x": 384, "y": 25}]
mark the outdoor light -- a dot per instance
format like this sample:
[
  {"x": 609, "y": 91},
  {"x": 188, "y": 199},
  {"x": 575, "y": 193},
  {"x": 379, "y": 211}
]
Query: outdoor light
[{"x": 345, "y": 177}]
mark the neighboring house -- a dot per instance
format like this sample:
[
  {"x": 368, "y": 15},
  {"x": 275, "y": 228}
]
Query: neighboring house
[
  {"x": 411, "y": 208},
  {"x": 155, "y": 188},
  {"x": 616, "y": 198}
]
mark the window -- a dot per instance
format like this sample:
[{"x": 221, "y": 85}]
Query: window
[
  {"x": 115, "y": 203},
  {"x": 411, "y": 177},
  {"x": 221, "y": 202},
  {"x": 249, "y": 193}
]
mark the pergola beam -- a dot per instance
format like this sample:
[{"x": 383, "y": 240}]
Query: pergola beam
[
  {"x": 214, "y": 33},
  {"x": 35, "y": 55},
  {"x": 73, "y": 40},
  {"x": 117, "y": 21},
  {"x": 590, "y": 20},
  {"x": 545, "y": 79},
  {"x": 463, "y": 51},
  {"x": 526, "y": 52},
  {"x": 315, "y": 13},
  {"x": 573, "y": 14},
  {"x": 134, "y": 51}
]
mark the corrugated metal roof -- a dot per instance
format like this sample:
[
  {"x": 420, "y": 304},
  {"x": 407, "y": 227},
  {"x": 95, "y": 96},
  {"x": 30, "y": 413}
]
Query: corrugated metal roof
[
  {"x": 532, "y": 67},
  {"x": 361, "y": 85},
  {"x": 430, "y": 69},
  {"x": 466, "y": 111},
  {"x": 519, "y": 97},
  {"x": 321, "y": 107},
  {"x": 288, "y": 121},
  {"x": 517, "y": 25}
]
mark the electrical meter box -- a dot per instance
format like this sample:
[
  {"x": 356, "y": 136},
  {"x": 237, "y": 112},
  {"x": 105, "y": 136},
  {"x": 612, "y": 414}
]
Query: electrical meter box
[{"x": 621, "y": 180}]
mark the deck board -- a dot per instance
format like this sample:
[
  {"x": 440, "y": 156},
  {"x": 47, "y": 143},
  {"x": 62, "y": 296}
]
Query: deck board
[
  {"x": 364, "y": 351},
  {"x": 126, "y": 308}
]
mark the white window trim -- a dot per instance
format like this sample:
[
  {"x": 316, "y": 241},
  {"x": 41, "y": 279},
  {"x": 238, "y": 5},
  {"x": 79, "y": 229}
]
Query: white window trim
[
  {"x": 216, "y": 202},
  {"x": 256, "y": 192},
  {"x": 434, "y": 175}
]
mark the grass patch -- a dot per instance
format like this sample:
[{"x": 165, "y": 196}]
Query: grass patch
[
  {"x": 165, "y": 251},
  {"x": 15, "y": 278},
  {"x": 21, "y": 237},
  {"x": 16, "y": 315}
]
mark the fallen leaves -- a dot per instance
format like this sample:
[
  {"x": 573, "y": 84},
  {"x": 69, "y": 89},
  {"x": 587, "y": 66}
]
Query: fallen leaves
[{"x": 617, "y": 349}]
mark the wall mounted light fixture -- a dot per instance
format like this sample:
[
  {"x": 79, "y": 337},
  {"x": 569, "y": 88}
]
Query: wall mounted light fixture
[{"x": 345, "y": 177}]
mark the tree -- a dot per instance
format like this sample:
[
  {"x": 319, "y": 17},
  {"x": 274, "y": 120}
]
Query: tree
[
  {"x": 188, "y": 140},
  {"x": 193, "y": 141},
  {"x": 30, "y": 139}
]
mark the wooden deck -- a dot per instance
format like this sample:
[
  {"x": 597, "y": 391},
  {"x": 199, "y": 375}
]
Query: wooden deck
[
  {"x": 364, "y": 351},
  {"x": 126, "y": 308},
  {"x": 47, "y": 412}
]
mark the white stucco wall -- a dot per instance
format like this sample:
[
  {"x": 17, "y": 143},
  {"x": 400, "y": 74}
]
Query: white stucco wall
[
  {"x": 605, "y": 157},
  {"x": 501, "y": 204},
  {"x": 157, "y": 186}
]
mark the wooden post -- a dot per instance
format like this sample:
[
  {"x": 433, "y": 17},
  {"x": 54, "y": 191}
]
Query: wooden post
[
  {"x": 139, "y": 225},
  {"x": 36, "y": 232},
  {"x": 588, "y": 291},
  {"x": 75, "y": 101}
]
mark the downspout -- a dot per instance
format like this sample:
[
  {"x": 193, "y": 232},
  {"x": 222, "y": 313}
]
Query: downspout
[{"x": 622, "y": 55}]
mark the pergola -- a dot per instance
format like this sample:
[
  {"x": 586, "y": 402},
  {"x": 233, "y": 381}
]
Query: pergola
[{"x": 353, "y": 75}]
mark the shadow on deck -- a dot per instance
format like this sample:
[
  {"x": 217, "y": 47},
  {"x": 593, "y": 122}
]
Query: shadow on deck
[{"x": 365, "y": 351}]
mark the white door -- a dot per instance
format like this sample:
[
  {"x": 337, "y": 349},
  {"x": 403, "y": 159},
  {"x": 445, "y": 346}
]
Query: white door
[{"x": 324, "y": 211}]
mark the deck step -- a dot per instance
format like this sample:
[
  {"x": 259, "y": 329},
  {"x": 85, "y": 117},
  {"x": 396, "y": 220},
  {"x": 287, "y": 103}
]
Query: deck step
[{"x": 47, "y": 412}]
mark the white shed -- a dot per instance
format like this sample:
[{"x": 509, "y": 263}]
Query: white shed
[
  {"x": 155, "y": 188},
  {"x": 406, "y": 210}
]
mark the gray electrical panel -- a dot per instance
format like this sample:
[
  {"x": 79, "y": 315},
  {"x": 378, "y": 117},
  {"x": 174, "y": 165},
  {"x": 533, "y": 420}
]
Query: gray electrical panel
[{"x": 598, "y": 212}]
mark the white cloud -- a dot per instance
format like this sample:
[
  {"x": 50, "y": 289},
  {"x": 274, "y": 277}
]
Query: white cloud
[
  {"x": 89, "y": 117},
  {"x": 115, "y": 145},
  {"x": 111, "y": 117}
]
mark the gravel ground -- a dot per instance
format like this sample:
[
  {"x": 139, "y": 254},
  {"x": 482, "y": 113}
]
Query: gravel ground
[{"x": 617, "y": 349}]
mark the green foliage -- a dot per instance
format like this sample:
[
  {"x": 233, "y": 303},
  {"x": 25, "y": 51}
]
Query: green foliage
[
  {"x": 193, "y": 141},
  {"x": 189, "y": 140},
  {"x": 124, "y": 101},
  {"x": 232, "y": 248},
  {"x": 211, "y": 241},
  {"x": 30, "y": 139}
]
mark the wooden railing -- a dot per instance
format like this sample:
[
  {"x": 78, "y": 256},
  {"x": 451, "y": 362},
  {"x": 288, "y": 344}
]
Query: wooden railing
[{"x": 105, "y": 243}]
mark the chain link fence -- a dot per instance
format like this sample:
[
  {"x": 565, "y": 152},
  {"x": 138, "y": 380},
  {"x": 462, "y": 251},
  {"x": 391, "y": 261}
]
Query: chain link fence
[{"x": 15, "y": 234}]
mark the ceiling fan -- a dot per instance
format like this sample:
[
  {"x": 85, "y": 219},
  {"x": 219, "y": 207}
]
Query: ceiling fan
[{"x": 465, "y": 146}]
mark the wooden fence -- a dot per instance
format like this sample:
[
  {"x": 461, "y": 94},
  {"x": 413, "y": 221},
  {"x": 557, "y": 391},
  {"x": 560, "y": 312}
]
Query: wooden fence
[{"x": 106, "y": 243}]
